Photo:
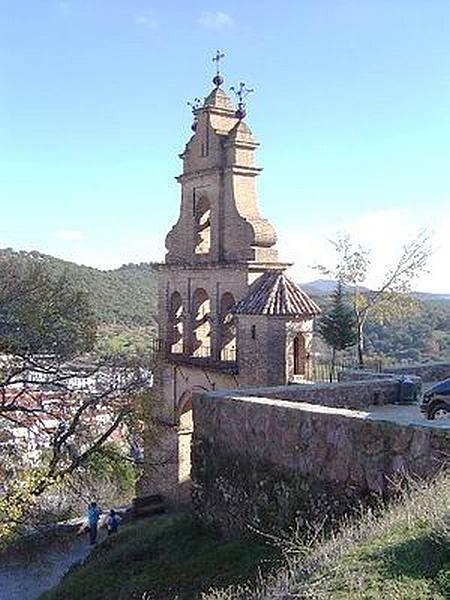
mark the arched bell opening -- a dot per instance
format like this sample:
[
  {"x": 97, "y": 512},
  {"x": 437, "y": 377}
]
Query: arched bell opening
[
  {"x": 299, "y": 354},
  {"x": 201, "y": 324},
  {"x": 227, "y": 328},
  {"x": 202, "y": 220},
  {"x": 176, "y": 326}
]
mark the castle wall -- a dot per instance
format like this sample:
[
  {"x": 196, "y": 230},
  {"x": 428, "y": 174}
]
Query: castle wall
[{"x": 263, "y": 462}]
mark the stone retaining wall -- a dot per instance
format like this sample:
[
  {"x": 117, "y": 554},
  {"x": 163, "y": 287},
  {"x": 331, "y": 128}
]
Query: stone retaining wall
[
  {"x": 427, "y": 372},
  {"x": 351, "y": 394},
  {"x": 261, "y": 462},
  {"x": 362, "y": 375}
]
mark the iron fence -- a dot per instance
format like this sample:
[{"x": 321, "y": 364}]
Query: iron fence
[{"x": 322, "y": 371}]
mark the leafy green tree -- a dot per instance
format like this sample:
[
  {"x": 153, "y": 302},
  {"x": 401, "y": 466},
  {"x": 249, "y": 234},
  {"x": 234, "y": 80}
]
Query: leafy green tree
[
  {"x": 41, "y": 313},
  {"x": 338, "y": 325}
]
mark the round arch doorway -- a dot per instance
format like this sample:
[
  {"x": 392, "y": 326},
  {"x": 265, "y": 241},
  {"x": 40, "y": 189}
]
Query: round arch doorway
[{"x": 185, "y": 429}]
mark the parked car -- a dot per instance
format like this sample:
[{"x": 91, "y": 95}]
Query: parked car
[{"x": 436, "y": 401}]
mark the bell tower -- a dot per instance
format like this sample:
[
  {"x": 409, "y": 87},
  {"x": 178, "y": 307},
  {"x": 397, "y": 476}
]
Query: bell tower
[
  {"x": 219, "y": 219},
  {"x": 228, "y": 316}
]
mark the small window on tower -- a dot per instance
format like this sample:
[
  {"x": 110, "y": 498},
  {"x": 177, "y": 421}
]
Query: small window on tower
[{"x": 253, "y": 332}]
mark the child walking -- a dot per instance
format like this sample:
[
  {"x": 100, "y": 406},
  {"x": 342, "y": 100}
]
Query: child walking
[{"x": 112, "y": 522}]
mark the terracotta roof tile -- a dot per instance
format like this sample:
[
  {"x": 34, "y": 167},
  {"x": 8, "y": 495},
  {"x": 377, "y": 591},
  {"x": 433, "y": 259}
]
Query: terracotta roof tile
[{"x": 275, "y": 294}]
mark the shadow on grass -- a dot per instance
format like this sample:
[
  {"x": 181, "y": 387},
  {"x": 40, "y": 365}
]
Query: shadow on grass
[
  {"x": 164, "y": 558},
  {"x": 418, "y": 558}
]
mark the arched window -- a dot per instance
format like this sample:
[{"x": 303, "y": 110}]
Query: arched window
[
  {"x": 227, "y": 328},
  {"x": 201, "y": 324},
  {"x": 202, "y": 219},
  {"x": 176, "y": 328},
  {"x": 299, "y": 351}
]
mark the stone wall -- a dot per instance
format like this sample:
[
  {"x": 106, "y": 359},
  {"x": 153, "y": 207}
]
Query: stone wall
[
  {"x": 428, "y": 372},
  {"x": 363, "y": 375},
  {"x": 351, "y": 394},
  {"x": 262, "y": 462}
]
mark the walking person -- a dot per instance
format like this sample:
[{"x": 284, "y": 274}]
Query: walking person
[
  {"x": 112, "y": 522},
  {"x": 94, "y": 513}
]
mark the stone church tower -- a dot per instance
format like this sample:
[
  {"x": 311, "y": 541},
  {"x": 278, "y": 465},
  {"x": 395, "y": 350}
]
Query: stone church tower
[{"x": 228, "y": 315}]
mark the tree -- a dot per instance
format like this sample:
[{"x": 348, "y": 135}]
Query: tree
[
  {"x": 69, "y": 401},
  {"x": 338, "y": 325},
  {"x": 393, "y": 297}
]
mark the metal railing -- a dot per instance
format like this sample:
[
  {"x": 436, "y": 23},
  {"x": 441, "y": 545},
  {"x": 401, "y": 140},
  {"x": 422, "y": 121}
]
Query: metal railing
[{"x": 322, "y": 371}]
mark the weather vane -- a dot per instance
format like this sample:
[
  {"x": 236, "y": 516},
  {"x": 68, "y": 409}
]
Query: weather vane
[
  {"x": 195, "y": 106},
  {"x": 241, "y": 93},
  {"x": 218, "y": 79}
]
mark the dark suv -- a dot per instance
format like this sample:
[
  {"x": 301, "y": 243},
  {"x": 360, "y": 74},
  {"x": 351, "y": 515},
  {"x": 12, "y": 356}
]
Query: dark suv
[{"x": 436, "y": 401}]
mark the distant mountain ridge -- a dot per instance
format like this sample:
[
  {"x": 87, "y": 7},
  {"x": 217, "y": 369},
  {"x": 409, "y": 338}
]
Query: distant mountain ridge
[
  {"x": 327, "y": 286},
  {"x": 125, "y": 303},
  {"x": 126, "y": 296}
]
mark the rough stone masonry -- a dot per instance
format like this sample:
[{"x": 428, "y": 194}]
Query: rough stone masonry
[{"x": 261, "y": 462}]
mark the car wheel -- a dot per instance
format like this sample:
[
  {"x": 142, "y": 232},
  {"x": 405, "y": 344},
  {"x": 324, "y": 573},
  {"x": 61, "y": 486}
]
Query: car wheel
[{"x": 439, "y": 411}]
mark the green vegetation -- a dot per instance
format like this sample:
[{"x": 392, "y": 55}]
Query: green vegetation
[
  {"x": 45, "y": 321},
  {"x": 162, "y": 558},
  {"x": 42, "y": 311},
  {"x": 401, "y": 551},
  {"x": 337, "y": 326},
  {"x": 401, "y": 554},
  {"x": 124, "y": 304},
  {"x": 393, "y": 298},
  {"x": 111, "y": 466},
  {"x": 420, "y": 337},
  {"x": 124, "y": 296}
]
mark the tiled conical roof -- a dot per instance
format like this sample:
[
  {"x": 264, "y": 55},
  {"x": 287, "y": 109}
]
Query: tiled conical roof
[{"x": 275, "y": 294}]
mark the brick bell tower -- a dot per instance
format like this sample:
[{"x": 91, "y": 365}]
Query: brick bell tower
[{"x": 228, "y": 316}]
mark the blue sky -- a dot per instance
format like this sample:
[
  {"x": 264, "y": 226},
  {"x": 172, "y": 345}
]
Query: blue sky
[{"x": 352, "y": 108}]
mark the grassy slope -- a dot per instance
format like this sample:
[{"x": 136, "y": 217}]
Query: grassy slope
[
  {"x": 407, "y": 562},
  {"x": 404, "y": 554},
  {"x": 167, "y": 557}
]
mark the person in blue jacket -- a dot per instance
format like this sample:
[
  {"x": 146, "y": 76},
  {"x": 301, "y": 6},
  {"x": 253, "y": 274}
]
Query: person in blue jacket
[{"x": 94, "y": 513}]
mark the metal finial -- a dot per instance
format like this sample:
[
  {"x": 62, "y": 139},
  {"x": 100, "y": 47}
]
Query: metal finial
[
  {"x": 195, "y": 106},
  {"x": 241, "y": 93},
  {"x": 218, "y": 79}
]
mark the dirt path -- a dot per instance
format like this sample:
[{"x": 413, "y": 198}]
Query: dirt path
[{"x": 27, "y": 577}]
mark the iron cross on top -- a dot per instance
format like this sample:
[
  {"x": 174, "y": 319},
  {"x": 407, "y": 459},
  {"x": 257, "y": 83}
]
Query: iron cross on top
[
  {"x": 217, "y": 58},
  {"x": 218, "y": 79}
]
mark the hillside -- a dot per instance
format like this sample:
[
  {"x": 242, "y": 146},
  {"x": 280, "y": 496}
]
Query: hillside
[
  {"x": 124, "y": 301},
  {"x": 167, "y": 557},
  {"x": 402, "y": 552},
  {"x": 123, "y": 297},
  {"x": 327, "y": 286},
  {"x": 422, "y": 337}
]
